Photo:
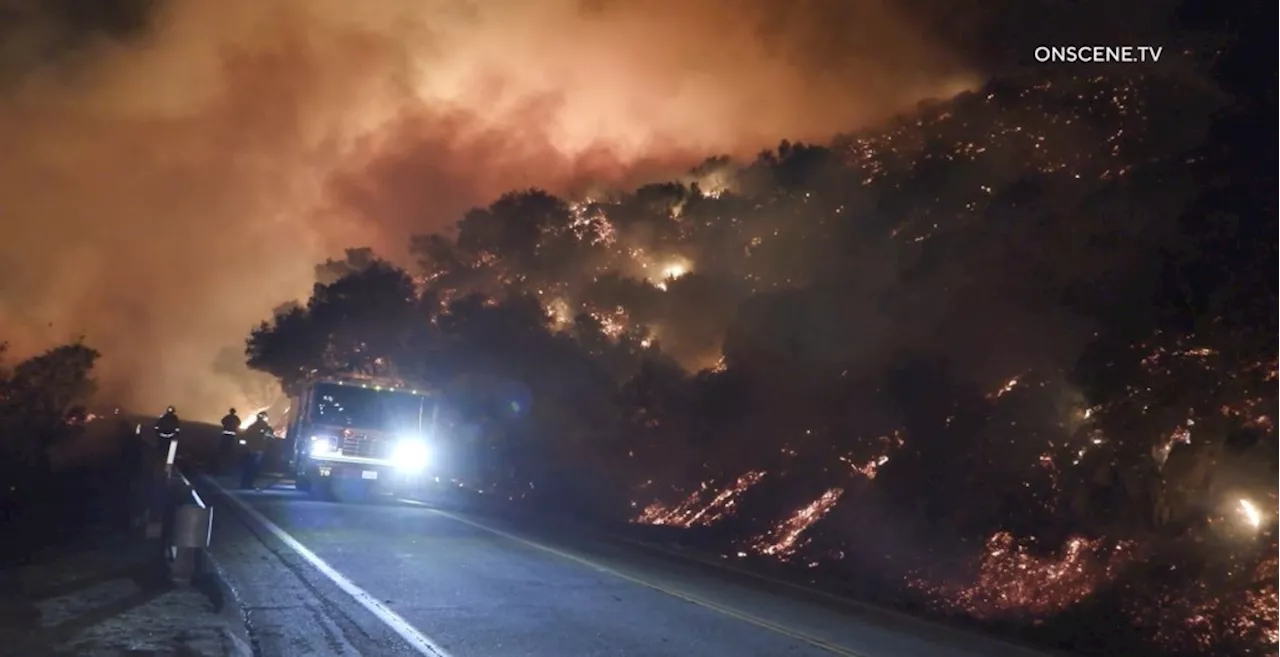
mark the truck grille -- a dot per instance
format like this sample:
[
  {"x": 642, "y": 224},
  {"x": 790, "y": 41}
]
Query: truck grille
[{"x": 363, "y": 446}]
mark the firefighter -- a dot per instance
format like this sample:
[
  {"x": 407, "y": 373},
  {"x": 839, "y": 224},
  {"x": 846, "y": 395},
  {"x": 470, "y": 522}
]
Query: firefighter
[
  {"x": 167, "y": 428},
  {"x": 227, "y": 442},
  {"x": 252, "y": 445}
]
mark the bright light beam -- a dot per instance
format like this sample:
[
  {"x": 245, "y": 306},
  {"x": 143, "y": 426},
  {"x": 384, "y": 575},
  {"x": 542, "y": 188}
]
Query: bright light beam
[{"x": 1250, "y": 512}]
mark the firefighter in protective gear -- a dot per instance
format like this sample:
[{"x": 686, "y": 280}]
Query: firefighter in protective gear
[
  {"x": 227, "y": 442},
  {"x": 167, "y": 428},
  {"x": 253, "y": 443}
]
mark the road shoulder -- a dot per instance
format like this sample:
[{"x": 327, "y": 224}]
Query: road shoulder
[
  {"x": 288, "y": 606},
  {"x": 110, "y": 594}
]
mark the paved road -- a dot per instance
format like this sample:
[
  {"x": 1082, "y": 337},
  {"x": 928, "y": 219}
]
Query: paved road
[{"x": 325, "y": 578}]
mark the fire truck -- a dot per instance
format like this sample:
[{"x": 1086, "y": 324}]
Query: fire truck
[{"x": 376, "y": 434}]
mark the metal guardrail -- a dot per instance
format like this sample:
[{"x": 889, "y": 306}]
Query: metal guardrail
[
  {"x": 192, "y": 530},
  {"x": 180, "y": 518}
]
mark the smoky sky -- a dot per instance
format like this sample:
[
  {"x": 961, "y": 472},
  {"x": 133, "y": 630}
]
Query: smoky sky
[{"x": 173, "y": 170}]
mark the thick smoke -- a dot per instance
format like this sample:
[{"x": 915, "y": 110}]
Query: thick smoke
[{"x": 172, "y": 170}]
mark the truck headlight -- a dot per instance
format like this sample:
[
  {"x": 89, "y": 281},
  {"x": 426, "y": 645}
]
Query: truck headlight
[
  {"x": 411, "y": 454},
  {"x": 323, "y": 446}
]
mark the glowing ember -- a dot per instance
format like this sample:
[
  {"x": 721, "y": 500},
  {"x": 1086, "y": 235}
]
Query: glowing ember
[
  {"x": 1181, "y": 435},
  {"x": 1201, "y": 619},
  {"x": 784, "y": 540},
  {"x": 1005, "y": 389},
  {"x": 871, "y": 468},
  {"x": 1261, "y": 617},
  {"x": 1013, "y": 582},
  {"x": 590, "y": 224},
  {"x": 612, "y": 324},
  {"x": 561, "y": 313},
  {"x": 693, "y": 512}
]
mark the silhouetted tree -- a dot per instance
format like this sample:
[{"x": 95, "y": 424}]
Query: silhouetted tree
[
  {"x": 37, "y": 396},
  {"x": 356, "y": 260}
]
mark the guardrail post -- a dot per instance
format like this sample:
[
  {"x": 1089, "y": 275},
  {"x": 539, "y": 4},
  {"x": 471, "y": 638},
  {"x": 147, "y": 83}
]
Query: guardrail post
[
  {"x": 188, "y": 528},
  {"x": 192, "y": 532}
]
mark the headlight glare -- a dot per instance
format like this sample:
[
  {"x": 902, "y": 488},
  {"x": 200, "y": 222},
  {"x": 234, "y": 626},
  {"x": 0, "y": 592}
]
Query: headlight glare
[
  {"x": 411, "y": 454},
  {"x": 323, "y": 446}
]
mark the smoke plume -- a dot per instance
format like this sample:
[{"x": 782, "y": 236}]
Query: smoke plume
[{"x": 173, "y": 170}]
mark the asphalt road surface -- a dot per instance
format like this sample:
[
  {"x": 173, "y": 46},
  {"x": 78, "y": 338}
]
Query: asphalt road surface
[{"x": 405, "y": 578}]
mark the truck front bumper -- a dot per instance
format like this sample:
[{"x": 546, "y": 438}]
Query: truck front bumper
[{"x": 377, "y": 472}]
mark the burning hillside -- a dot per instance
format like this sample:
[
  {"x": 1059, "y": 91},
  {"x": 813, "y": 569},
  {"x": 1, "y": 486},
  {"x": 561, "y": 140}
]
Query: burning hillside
[{"x": 990, "y": 352}]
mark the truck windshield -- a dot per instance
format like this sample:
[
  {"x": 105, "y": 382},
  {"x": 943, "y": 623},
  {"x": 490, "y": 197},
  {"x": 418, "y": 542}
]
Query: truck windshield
[{"x": 365, "y": 408}]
